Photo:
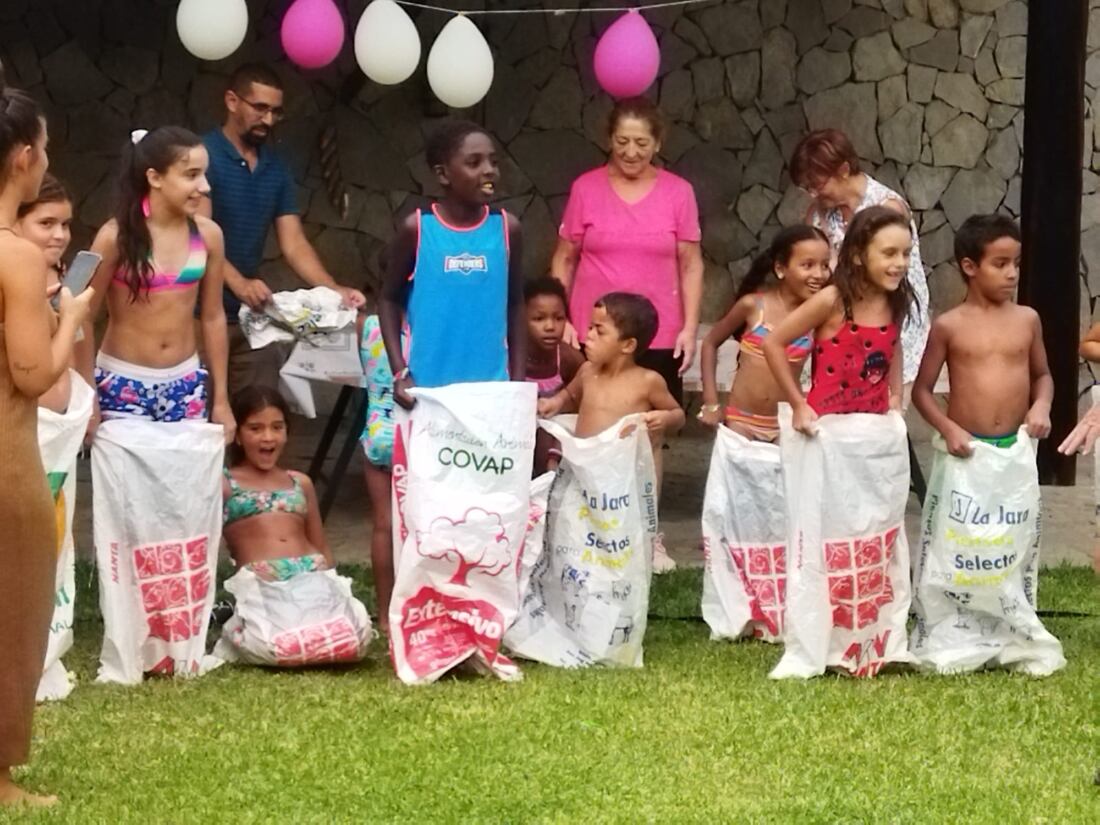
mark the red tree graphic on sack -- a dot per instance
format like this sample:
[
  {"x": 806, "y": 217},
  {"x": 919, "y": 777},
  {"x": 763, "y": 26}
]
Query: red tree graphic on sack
[{"x": 476, "y": 541}]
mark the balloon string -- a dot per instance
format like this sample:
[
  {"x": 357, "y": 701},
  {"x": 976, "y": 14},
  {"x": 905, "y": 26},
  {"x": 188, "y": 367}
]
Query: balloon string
[{"x": 555, "y": 12}]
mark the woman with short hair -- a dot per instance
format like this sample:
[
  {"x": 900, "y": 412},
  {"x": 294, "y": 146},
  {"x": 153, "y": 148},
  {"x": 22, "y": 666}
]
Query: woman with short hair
[
  {"x": 632, "y": 226},
  {"x": 826, "y": 166}
]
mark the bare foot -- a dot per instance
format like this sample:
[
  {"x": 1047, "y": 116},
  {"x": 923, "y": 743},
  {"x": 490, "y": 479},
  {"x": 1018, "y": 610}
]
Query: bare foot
[{"x": 12, "y": 796}]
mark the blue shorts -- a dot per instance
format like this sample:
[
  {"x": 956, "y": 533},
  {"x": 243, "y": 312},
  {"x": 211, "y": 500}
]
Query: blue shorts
[{"x": 130, "y": 391}]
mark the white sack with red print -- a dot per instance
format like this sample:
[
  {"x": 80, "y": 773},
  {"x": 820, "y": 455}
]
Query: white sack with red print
[
  {"x": 976, "y": 574},
  {"x": 157, "y": 506},
  {"x": 536, "y": 530},
  {"x": 744, "y": 539},
  {"x": 309, "y": 619},
  {"x": 462, "y": 489},
  {"x": 60, "y": 437},
  {"x": 588, "y": 596},
  {"x": 848, "y": 559}
]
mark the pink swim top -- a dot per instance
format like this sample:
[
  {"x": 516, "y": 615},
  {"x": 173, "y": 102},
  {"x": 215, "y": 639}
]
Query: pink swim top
[
  {"x": 189, "y": 275},
  {"x": 551, "y": 384}
]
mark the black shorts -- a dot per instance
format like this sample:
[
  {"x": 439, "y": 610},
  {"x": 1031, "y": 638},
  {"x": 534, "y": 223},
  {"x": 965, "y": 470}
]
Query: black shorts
[{"x": 663, "y": 362}]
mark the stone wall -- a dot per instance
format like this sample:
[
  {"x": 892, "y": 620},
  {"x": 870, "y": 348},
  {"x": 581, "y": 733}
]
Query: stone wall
[{"x": 930, "y": 91}]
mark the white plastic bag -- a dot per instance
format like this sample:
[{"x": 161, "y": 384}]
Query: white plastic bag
[
  {"x": 536, "y": 532},
  {"x": 310, "y": 619},
  {"x": 157, "y": 522},
  {"x": 848, "y": 587},
  {"x": 60, "y": 436},
  {"x": 744, "y": 539},
  {"x": 976, "y": 575},
  {"x": 462, "y": 488},
  {"x": 331, "y": 356},
  {"x": 588, "y": 596}
]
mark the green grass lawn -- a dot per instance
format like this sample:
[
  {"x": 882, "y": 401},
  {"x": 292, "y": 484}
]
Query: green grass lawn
[{"x": 700, "y": 734}]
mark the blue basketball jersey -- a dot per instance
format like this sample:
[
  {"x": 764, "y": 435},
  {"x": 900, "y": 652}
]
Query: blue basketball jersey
[{"x": 458, "y": 301}]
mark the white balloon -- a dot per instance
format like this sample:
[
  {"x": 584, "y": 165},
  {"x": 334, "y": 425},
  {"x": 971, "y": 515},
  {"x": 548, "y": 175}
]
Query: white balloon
[
  {"x": 460, "y": 65},
  {"x": 387, "y": 46},
  {"x": 212, "y": 29}
]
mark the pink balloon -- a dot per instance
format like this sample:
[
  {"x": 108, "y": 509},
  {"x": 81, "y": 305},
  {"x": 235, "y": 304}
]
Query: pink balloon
[
  {"x": 313, "y": 33},
  {"x": 627, "y": 56}
]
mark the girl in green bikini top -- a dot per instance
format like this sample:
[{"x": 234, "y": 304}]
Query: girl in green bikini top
[{"x": 272, "y": 521}]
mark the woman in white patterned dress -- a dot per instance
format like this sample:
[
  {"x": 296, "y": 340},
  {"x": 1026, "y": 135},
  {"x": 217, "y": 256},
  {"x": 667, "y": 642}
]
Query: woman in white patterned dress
[{"x": 826, "y": 166}]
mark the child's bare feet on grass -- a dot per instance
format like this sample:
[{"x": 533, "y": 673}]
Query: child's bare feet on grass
[{"x": 11, "y": 795}]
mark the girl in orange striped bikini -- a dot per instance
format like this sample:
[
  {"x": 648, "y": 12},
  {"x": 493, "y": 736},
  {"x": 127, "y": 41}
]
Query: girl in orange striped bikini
[{"x": 793, "y": 268}]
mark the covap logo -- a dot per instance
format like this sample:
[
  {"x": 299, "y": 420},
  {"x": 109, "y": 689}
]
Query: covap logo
[{"x": 465, "y": 263}]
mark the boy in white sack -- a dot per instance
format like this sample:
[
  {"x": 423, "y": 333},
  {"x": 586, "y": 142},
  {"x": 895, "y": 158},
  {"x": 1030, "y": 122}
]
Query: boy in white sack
[{"x": 975, "y": 576}]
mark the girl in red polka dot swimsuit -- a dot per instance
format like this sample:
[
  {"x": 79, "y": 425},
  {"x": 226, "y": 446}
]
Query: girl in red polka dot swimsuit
[{"x": 857, "y": 351}]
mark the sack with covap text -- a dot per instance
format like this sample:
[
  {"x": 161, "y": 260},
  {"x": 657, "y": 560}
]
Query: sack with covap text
[
  {"x": 462, "y": 488},
  {"x": 744, "y": 539},
  {"x": 847, "y": 555},
  {"x": 311, "y": 618},
  {"x": 976, "y": 575},
  {"x": 60, "y": 437},
  {"x": 588, "y": 595},
  {"x": 157, "y": 514}
]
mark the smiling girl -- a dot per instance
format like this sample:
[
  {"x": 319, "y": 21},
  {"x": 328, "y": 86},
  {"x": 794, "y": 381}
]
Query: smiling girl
[
  {"x": 272, "y": 521},
  {"x": 453, "y": 272},
  {"x": 46, "y": 222},
  {"x": 793, "y": 269},
  {"x": 855, "y": 323},
  {"x": 161, "y": 259}
]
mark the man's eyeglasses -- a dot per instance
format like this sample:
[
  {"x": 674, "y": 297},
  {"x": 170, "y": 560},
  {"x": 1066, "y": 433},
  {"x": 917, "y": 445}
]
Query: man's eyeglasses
[{"x": 263, "y": 110}]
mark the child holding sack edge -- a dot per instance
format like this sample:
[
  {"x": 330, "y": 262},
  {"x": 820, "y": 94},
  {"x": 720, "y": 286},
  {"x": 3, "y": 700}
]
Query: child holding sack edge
[{"x": 976, "y": 575}]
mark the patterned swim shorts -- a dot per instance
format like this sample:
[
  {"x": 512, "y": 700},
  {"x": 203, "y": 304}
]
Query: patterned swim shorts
[
  {"x": 281, "y": 570},
  {"x": 377, "y": 437},
  {"x": 130, "y": 391}
]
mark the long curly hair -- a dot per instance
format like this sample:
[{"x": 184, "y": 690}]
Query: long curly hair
[
  {"x": 850, "y": 277},
  {"x": 157, "y": 150}
]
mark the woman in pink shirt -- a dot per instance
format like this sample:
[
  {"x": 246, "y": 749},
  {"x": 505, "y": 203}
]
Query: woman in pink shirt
[{"x": 630, "y": 226}]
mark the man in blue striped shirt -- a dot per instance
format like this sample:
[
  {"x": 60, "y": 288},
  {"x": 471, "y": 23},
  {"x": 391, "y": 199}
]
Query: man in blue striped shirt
[{"x": 250, "y": 189}]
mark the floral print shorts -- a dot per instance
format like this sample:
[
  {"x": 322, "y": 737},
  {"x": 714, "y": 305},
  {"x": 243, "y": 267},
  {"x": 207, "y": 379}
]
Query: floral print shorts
[{"x": 168, "y": 395}]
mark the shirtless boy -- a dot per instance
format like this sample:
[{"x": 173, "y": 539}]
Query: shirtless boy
[
  {"x": 610, "y": 385},
  {"x": 993, "y": 348}
]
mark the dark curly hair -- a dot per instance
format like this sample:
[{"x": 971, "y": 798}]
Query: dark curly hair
[
  {"x": 545, "y": 285},
  {"x": 634, "y": 317},
  {"x": 447, "y": 138}
]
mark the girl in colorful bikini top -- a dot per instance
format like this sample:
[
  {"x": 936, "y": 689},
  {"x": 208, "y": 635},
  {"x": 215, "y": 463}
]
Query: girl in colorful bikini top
[
  {"x": 792, "y": 270},
  {"x": 272, "y": 520},
  {"x": 855, "y": 322},
  {"x": 161, "y": 260}
]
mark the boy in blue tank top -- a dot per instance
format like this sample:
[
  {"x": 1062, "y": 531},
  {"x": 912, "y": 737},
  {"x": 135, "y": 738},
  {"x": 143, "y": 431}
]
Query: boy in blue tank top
[{"x": 454, "y": 274}]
